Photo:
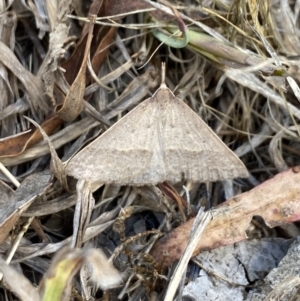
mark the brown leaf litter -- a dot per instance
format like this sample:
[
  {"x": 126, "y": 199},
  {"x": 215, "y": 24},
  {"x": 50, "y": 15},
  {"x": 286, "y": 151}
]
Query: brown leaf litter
[
  {"x": 238, "y": 72},
  {"x": 277, "y": 201}
]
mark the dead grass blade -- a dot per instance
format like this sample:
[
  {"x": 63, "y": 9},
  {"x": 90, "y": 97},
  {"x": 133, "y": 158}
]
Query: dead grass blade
[
  {"x": 33, "y": 85},
  {"x": 239, "y": 73}
]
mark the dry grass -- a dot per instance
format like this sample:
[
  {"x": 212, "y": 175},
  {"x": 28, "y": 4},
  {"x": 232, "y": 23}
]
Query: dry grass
[{"x": 243, "y": 82}]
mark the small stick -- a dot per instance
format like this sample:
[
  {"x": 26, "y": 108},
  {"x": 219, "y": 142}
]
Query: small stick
[{"x": 9, "y": 175}]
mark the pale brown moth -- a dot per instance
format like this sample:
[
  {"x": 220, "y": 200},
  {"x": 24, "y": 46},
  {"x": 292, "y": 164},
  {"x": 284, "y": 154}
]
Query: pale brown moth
[{"x": 162, "y": 139}]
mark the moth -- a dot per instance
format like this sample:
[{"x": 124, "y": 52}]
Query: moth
[{"x": 161, "y": 139}]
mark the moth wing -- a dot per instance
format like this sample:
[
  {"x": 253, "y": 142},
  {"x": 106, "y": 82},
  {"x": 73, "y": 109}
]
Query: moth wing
[
  {"x": 122, "y": 155},
  {"x": 192, "y": 150}
]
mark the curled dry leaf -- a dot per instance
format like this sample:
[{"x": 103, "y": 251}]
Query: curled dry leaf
[
  {"x": 76, "y": 65},
  {"x": 56, "y": 164},
  {"x": 101, "y": 51},
  {"x": 32, "y": 187},
  {"x": 16, "y": 145},
  {"x": 171, "y": 192},
  {"x": 276, "y": 152},
  {"x": 73, "y": 102},
  {"x": 102, "y": 38},
  {"x": 277, "y": 201}
]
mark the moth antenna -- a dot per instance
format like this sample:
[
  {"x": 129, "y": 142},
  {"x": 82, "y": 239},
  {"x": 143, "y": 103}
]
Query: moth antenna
[{"x": 163, "y": 76}]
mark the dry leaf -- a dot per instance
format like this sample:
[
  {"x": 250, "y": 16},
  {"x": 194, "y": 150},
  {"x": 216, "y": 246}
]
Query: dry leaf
[
  {"x": 101, "y": 51},
  {"x": 171, "y": 192},
  {"x": 73, "y": 105},
  {"x": 100, "y": 33},
  {"x": 56, "y": 164},
  {"x": 160, "y": 140},
  {"x": 277, "y": 201},
  {"x": 32, "y": 187},
  {"x": 16, "y": 145},
  {"x": 73, "y": 102}
]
